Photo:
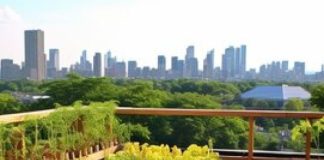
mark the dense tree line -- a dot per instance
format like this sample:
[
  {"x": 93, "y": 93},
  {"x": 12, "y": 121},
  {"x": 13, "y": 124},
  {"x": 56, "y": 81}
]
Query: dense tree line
[{"x": 183, "y": 93}]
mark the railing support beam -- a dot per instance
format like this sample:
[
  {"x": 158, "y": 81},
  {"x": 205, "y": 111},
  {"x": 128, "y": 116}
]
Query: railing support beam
[
  {"x": 251, "y": 138},
  {"x": 308, "y": 143}
]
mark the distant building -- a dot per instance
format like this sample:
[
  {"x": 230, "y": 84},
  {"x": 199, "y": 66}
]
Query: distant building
[
  {"x": 242, "y": 60},
  {"x": 110, "y": 70},
  {"x": 83, "y": 68},
  {"x": 146, "y": 72},
  {"x": 174, "y": 64},
  {"x": 9, "y": 70},
  {"x": 208, "y": 69},
  {"x": 234, "y": 63},
  {"x": 132, "y": 69},
  {"x": 53, "y": 65},
  {"x": 161, "y": 67},
  {"x": 228, "y": 63},
  {"x": 284, "y": 66},
  {"x": 35, "y": 58},
  {"x": 299, "y": 70},
  {"x": 181, "y": 68},
  {"x": 97, "y": 65},
  {"x": 54, "y": 61},
  {"x": 120, "y": 70},
  {"x": 278, "y": 94},
  {"x": 190, "y": 62}
]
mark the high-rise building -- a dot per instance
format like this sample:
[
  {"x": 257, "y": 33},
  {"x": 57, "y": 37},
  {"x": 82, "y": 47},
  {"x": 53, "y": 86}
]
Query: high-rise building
[
  {"x": 83, "y": 68},
  {"x": 174, "y": 64},
  {"x": 120, "y": 70},
  {"x": 54, "y": 61},
  {"x": 194, "y": 68},
  {"x": 83, "y": 60},
  {"x": 181, "y": 68},
  {"x": 35, "y": 58},
  {"x": 299, "y": 70},
  {"x": 174, "y": 67},
  {"x": 234, "y": 62},
  {"x": 97, "y": 65},
  {"x": 284, "y": 66},
  {"x": 9, "y": 70},
  {"x": 53, "y": 65},
  {"x": 208, "y": 68},
  {"x": 111, "y": 65},
  {"x": 161, "y": 67},
  {"x": 190, "y": 54},
  {"x": 242, "y": 61},
  {"x": 132, "y": 69},
  {"x": 228, "y": 63}
]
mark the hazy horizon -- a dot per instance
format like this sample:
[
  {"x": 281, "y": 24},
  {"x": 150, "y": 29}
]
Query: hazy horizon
[{"x": 141, "y": 30}]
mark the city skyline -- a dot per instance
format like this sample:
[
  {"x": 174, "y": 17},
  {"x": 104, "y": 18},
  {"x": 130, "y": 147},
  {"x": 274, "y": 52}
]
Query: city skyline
[
  {"x": 233, "y": 65},
  {"x": 273, "y": 30}
]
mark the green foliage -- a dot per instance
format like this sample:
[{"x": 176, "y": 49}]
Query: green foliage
[
  {"x": 20, "y": 86},
  {"x": 267, "y": 140},
  {"x": 259, "y": 104},
  {"x": 294, "y": 104},
  {"x": 299, "y": 131},
  {"x": 133, "y": 151},
  {"x": 75, "y": 88},
  {"x": 68, "y": 128},
  {"x": 8, "y": 104},
  {"x": 193, "y": 100},
  {"x": 142, "y": 94},
  {"x": 317, "y": 98}
]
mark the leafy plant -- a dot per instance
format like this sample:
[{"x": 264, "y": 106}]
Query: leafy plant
[
  {"x": 299, "y": 131},
  {"x": 134, "y": 151}
]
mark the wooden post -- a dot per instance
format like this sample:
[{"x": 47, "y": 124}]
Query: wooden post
[
  {"x": 308, "y": 143},
  {"x": 251, "y": 138}
]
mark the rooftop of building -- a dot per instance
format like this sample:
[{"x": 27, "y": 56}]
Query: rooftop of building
[{"x": 283, "y": 92}]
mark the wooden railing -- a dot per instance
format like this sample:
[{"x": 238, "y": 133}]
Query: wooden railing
[{"x": 250, "y": 114}]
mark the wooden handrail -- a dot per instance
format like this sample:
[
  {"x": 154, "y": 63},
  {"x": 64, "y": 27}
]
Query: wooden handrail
[
  {"x": 219, "y": 112},
  {"x": 20, "y": 117},
  {"x": 251, "y": 114}
]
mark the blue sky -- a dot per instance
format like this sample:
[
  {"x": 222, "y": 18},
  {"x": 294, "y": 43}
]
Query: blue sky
[{"x": 142, "y": 29}]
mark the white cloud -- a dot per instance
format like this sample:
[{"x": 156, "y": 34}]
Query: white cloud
[
  {"x": 8, "y": 15},
  {"x": 11, "y": 34}
]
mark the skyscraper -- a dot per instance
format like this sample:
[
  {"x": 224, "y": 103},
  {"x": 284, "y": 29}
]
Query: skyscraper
[
  {"x": 234, "y": 62},
  {"x": 180, "y": 69},
  {"x": 208, "y": 68},
  {"x": 97, "y": 65},
  {"x": 174, "y": 67},
  {"x": 53, "y": 66},
  {"x": 174, "y": 64},
  {"x": 190, "y": 54},
  {"x": 284, "y": 66},
  {"x": 35, "y": 58},
  {"x": 54, "y": 61},
  {"x": 242, "y": 61},
  {"x": 161, "y": 67},
  {"x": 83, "y": 60},
  {"x": 228, "y": 63},
  {"x": 132, "y": 69},
  {"x": 111, "y": 65},
  {"x": 120, "y": 70},
  {"x": 299, "y": 70}
]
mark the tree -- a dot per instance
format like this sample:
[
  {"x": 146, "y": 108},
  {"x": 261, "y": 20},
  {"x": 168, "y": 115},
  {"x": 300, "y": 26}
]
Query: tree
[
  {"x": 317, "y": 98},
  {"x": 294, "y": 104},
  {"x": 8, "y": 104}
]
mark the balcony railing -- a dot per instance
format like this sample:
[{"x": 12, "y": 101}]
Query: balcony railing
[{"x": 250, "y": 114}]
